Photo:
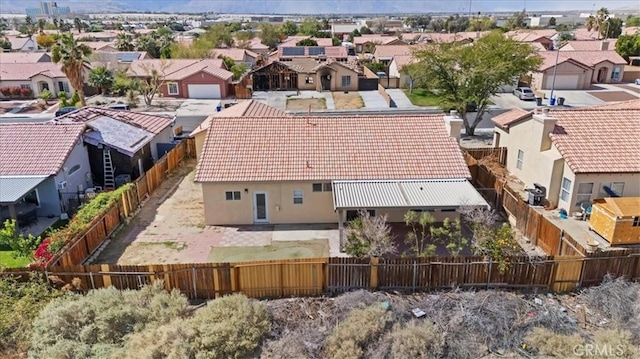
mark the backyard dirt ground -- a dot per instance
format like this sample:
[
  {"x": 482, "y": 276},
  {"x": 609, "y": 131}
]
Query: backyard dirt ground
[
  {"x": 347, "y": 101},
  {"x": 302, "y": 104}
]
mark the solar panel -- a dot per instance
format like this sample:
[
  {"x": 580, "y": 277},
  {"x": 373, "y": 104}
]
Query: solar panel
[
  {"x": 128, "y": 56},
  {"x": 316, "y": 50},
  {"x": 293, "y": 51}
]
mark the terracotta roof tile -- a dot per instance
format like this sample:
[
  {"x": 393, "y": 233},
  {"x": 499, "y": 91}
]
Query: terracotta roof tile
[
  {"x": 18, "y": 72},
  {"x": 504, "y": 120},
  {"x": 177, "y": 69},
  {"x": 36, "y": 148},
  {"x": 330, "y": 148},
  {"x": 584, "y": 45},
  {"x": 249, "y": 108},
  {"x": 22, "y": 57},
  {"x": 152, "y": 123},
  {"x": 624, "y": 105},
  {"x": 392, "y": 50}
]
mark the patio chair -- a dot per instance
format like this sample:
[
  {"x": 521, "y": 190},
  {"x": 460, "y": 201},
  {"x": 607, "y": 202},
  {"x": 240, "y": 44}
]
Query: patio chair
[{"x": 586, "y": 210}]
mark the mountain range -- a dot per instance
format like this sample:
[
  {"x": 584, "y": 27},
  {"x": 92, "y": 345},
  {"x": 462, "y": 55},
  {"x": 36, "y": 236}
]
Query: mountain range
[{"x": 345, "y": 7}]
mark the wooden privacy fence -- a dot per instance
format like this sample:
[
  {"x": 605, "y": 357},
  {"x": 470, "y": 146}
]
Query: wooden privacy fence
[
  {"x": 82, "y": 246},
  {"x": 499, "y": 153},
  {"x": 315, "y": 276}
]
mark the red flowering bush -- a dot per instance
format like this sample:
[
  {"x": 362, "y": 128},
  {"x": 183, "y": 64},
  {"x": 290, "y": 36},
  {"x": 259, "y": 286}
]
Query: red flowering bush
[
  {"x": 42, "y": 254},
  {"x": 26, "y": 93},
  {"x": 16, "y": 91},
  {"x": 5, "y": 91}
]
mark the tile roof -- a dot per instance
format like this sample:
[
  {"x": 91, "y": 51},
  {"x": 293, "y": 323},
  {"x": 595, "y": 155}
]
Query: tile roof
[
  {"x": 505, "y": 119},
  {"x": 376, "y": 39},
  {"x": 631, "y": 30},
  {"x": 19, "y": 72},
  {"x": 624, "y": 105},
  {"x": 549, "y": 59},
  {"x": 292, "y": 40},
  {"x": 598, "y": 141},
  {"x": 99, "y": 45},
  {"x": 402, "y": 60},
  {"x": 584, "y": 45},
  {"x": 23, "y": 57},
  {"x": 17, "y": 43},
  {"x": 530, "y": 35},
  {"x": 178, "y": 69},
  {"x": 236, "y": 54},
  {"x": 330, "y": 148},
  {"x": 152, "y": 123},
  {"x": 392, "y": 50},
  {"x": 248, "y": 108},
  {"x": 36, "y": 148},
  {"x": 584, "y": 34}
]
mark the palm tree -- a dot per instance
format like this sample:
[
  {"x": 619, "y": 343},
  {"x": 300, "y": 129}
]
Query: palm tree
[
  {"x": 56, "y": 23},
  {"x": 41, "y": 25},
  {"x": 596, "y": 22},
  {"x": 73, "y": 57},
  {"x": 101, "y": 78},
  {"x": 78, "y": 24},
  {"x": 124, "y": 42}
]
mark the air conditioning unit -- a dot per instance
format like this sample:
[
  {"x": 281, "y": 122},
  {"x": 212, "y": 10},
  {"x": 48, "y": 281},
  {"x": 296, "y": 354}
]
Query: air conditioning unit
[{"x": 62, "y": 185}]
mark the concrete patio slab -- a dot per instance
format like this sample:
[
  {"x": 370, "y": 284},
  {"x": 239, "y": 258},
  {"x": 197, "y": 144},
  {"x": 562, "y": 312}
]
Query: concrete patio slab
[{"x": 373, "y": 100}]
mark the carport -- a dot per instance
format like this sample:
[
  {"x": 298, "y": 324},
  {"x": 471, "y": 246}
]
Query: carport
[{"x": 432, "y": 195}]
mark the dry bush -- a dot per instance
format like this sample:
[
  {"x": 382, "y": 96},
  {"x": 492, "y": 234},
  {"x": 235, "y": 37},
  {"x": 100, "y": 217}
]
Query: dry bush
[
  {"x": 549, "y": 344},
  {"x": 355, "y": 333},
  {"x": 170, "y": 341},
  {"x": 417, "y": 340},
  {"x": 615, "y": 343},
  {"x": 230, "y": 327},
  {"x": 357, "y": 299}
]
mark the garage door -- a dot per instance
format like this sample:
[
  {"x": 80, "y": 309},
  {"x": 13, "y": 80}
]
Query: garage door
[
  {"x": 204, "y": 91},
  {"x": 564, "y": 82}
]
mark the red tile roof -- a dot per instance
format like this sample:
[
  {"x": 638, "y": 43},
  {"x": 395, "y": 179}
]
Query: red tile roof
[
  {"x": 505, "y": 119},
  {"x": 530, "y": 35},
  {"x": 178, "y": 69},
  {"x": 599, "y": 141},
  {"x": 233, "y": 53},
  {"x": 249, "y": 108},
  {"x": 23, "y": 57},
  {"x": 21, "y": 72},
  {"x": 330, "y": 148},
  {"x": 587, "y": 45},
  {"x": 152, "y": 123},
  {"x": 624, "y": 105},
  {"x": 392, "y": 50},
  {"x": 36, "y": 148}
]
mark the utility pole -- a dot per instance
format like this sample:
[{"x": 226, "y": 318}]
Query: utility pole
[{"x": 556, "y": 48}]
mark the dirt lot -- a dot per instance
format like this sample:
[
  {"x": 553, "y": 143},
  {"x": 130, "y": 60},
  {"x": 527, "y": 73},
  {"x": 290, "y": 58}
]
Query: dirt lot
[
  {"x": 347, "y": 101},
  {"x": 302, "y": 104}
]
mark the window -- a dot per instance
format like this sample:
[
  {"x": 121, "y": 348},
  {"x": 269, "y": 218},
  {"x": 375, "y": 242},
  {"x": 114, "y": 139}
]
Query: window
[
  {"x": 636, "y": 221},
  {"x": 607, "y": 189},
  {"x": 32, "y": 197},
  {"x": 566, "y": 189},
  {"x": 584, "y": 192},
  {"x": 63, "y": 86},
  {"x": 297, "y": 196},
  {"x": 615, "y": 74},
  {"x": 322, "y": 187},
  {"x": 232, "y": 196},
  {"x": 73, "y": 170},
  {"x": 25, "y": 86},
  {"x": 520, "y": 159},
  {"x": 346, "y": 81},
  {"x": 309, "y": 80},
  {"x": 172, "y": 88}
]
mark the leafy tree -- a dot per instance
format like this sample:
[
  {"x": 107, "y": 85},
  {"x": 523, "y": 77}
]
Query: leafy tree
[
  {"x": 269, "y": 34},
  {"x": 352, "y": 34},
  {"x": 628, "y": 45},
  {"x": 463, "y": 76},
  {"x": 124, "y": 42},
  {"x": 611, "y": 29},
  {"x": 245, "y": 35},
  {"x": 289, "y": 28},
  {"x": 310, "y": 26},
  {"x": 228, "y": 62},
  {"x": 307, "y": 42},
  {"x": 157, "y": 44},
  {"x": 73, "y": 57},
  {"x": 484, "y": 23},
  {"x": 552, "y": 21},
  {"x": 438, "y": 25},
  {"x": 150, "y": 86},
  {"x": 45, "y": 41},
  {"x": 64, "y": 26},
  {"x": 215, "y": 37},
  {"x": 41, "y": 25},
  {"x": 77, "y": 23},
  {"x": 194, "y": 51},
  {"x": 516, "y": 21},
  {"x": 418, "y": 21},
  {"x": 457, "y": 23},
  {"x": 419, "y": 237},
  {"x": 101, "y": 78},
  {"x": 632, "y": 21},
  {"x": 336, "y": 41},
  {"x": 365, "y": 30},
  {"x": 450, "y": 233},
  {"x": 23, "y": 246},
  {"x": 5, "y": 44},
  {"x": 238, "y": 70},
  {"x": 369, "y": 236}
]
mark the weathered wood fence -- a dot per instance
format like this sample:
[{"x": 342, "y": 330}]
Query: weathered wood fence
[
  {"x": 315, "y": 276},
  {"x": 78, "y": 249}
]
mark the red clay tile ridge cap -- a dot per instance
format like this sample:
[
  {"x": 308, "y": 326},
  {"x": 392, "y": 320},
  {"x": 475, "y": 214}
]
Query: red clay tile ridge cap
[{"x": 511, "y": 117}]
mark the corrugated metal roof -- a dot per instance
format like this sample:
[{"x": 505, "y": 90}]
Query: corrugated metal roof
[
  {"x": 13, "y": 188},
  {"x": 439, "y": 193}
]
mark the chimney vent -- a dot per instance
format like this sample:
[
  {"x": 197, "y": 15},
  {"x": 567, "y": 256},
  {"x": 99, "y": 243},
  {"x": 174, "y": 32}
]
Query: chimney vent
[{"x": 453, "y": 113}]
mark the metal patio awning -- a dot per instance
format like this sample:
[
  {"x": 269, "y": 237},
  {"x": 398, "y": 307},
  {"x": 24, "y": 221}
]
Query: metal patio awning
[
  {"x": 418, "y": 194},
  {"x": 13, "y": 188}
]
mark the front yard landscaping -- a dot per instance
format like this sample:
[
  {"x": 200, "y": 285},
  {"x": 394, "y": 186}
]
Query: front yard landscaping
[
  {"x": 302, "y": 104},
  {"x": 7, "y": 260},
  {"x": 422, "y": 97},
  {"x": 347, "y": 101}
]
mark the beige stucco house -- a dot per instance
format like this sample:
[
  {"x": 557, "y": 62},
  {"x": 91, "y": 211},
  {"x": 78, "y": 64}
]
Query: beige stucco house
[
  {"x": 577, "y": 155},
  {"x": 301, "y": 169},
  {"x": 37, "y": 76}
]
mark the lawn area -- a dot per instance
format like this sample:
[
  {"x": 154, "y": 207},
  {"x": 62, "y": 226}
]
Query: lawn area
[
  {"x": 276, "y": 250},
  {"x": 7, "y": 260},
  {"x": 422, "y": 97}
]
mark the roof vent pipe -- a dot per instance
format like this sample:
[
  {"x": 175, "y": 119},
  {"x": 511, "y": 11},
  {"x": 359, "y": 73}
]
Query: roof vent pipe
[{"x": 453, "y": 113}]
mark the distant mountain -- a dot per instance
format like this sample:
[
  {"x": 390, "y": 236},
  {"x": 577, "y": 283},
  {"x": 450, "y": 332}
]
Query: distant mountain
[{"x": 320, "y": 6}]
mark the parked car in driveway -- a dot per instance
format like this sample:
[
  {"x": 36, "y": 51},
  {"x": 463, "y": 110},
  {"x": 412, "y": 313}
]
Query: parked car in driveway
[
  {"x": 524, "y": 93},
  {"x": 65, "y": 110}
]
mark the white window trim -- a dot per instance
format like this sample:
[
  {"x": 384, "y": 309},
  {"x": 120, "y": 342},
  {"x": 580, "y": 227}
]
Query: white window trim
[
  {"x": 520, "y": 159},
  {"x": 177, "y": 92},
  {"x": 72, "y": 172},
  {"x": 298, "y": 194},
  {"x": 580, "y": 197},
  {"x": 566, "y": 191}
]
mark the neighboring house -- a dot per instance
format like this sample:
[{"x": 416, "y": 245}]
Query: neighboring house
[
  {"x": 101, "y": 46},
  {"x": 37, "y": 76},
  {"x": 395, "y": 68},
  {"x": 324, "y": 169},
  {"x": 159, "y": 126},
  {"x": 39, "y": 164},
  {"x": 338, "y": 53},
  {"x": 584, "y": 45},
  {"x": 540, "y": 36},
  {"x": 428, "y": 37},
  {"x": 385, "y": 53},
  {"x": 248, "y": 108},
  {"x": 577, "y": 70},
  {"x": 305, "y": 73},
  {"x": 23, "y": 57},
  {"x": 239, "y": 56},
  {"x": 117, "y": 60},
  {"x": 292, "y": 41},
  {"x": 182, "y": 78},
  {"x": 339, "y": 29},
  {"x": 577, "y": 154},
  {"x": 22, "y": 44},
  {"x": 366, "y": 43},
  {"x": 256, "y": 45}
]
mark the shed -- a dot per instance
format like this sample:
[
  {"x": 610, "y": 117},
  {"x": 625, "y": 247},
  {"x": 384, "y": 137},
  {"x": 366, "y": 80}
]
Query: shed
[{"x": 617, "y": 219}]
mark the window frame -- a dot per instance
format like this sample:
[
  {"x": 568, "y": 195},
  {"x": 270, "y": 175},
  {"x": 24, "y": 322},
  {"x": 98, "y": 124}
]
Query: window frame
[
  {"x": 580, "y": 196},
  {"x": 169, "y": 92},
  {"x": 636, "y": 222},
  {"x": 231, "y": 196},
  {"x": 25, "y": 86},
  {"x": 298, "y": 196},
  {"x": 565, "y": 193},
  {"x": 348, "y": 82},
  {"x": 73, "y": 170},
  {"x": 611, "y": 185},
  {"x": 520, "y": 159},
  {"x": 324, "y": 187}
]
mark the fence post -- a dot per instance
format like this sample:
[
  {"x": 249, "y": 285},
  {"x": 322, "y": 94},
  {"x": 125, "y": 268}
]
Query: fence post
[
  {"x": 195, "y": 286},
  {"x": 581, "y": 274},
  {"x": 489, "y": 272},
  {"x": 415, "y": 270},
  {"x": 374, "y": 272}
]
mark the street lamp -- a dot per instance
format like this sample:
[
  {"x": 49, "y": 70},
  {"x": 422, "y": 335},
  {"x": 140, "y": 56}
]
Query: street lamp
[{"x": 556, "y": 48}]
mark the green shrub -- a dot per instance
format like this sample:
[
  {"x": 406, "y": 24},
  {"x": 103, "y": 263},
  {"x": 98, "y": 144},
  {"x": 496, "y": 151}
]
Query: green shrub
[
  {"x": 551, "y": 345},
  {"x": 350, "y": 337},
  {"x": 100, "y": 320},
  {"x": 417, "y": 340},
  {"x": 230, "y": 327}
]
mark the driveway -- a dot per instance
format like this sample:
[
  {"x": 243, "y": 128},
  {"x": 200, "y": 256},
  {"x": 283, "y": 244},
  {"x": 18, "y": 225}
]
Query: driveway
[
  {"x": 400, "y": 98},
  {"x": 373, "y": 100}
]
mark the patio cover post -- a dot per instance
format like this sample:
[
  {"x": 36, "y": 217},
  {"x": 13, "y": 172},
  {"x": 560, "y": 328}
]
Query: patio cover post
[
  {"x": 12, "y": 213},
  {"x": 341, "y": 227}
]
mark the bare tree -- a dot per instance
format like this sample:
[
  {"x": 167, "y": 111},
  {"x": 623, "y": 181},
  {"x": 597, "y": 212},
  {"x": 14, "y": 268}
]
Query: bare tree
[
  {"x": 369, "y": 236},
  {"x": 154, "y": 79}
]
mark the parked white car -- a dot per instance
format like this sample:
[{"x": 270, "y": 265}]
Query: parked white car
[{"x": 524, "y": 93}]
